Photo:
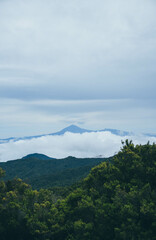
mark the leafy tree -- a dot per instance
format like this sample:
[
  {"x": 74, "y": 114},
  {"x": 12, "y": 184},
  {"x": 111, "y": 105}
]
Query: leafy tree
[{"x": 117, "y": 200}]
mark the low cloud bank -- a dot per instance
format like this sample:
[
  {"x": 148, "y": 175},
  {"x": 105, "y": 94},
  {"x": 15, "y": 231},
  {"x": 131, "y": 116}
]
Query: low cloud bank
[{"x": 70, "y": 144}]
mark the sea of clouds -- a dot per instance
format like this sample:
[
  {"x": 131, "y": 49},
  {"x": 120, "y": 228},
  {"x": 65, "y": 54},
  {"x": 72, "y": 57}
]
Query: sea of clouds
[{"x": 93, "y": 144}]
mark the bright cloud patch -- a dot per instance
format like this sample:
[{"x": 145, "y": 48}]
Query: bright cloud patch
[{"x": 69, "y": 144}]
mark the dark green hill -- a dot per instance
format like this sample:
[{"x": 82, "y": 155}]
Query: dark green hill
[
  {"x": 38, "y": 156},
  {"x": 43, "y": 172}
]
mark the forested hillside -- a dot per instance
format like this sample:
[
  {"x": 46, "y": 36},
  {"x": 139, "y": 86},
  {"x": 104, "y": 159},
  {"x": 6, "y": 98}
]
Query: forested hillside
[
  {"x": 116, "y": 201},
  {"x": 40, "y": 171}
]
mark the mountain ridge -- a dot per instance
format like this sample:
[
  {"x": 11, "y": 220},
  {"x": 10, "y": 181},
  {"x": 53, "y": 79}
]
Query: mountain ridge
[
  {"x": 38, "y": 156},
  {"x": 43, "y": 172},
  {"x": 72, "y": 129},
  {"x": 75, "y": 130}
]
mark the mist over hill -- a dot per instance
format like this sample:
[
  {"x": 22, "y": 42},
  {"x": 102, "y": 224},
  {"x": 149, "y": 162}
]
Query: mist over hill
[
  {"x": 72, "y": 129},
  {"x": 71, "y": 141}
]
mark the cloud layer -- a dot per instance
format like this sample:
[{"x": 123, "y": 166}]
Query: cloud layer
[
  {"x": 50, "y": 45},
  {"x": 57, "y": 52},
  {"x": 69, "y": 144}
]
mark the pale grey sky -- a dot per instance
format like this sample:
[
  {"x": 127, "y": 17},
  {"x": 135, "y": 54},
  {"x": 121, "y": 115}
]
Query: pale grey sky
[{"x": 84, "y": 62}]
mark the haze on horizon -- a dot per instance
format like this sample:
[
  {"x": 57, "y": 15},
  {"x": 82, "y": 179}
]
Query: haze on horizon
[{"x": 89, "y": 63}]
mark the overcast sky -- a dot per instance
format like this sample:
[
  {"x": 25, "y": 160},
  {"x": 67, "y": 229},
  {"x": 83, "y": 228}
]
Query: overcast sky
[{"x": 85, "y": 62}]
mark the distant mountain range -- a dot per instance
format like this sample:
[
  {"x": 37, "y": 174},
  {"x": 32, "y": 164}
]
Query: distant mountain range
[{"x": 75, "y": 129}]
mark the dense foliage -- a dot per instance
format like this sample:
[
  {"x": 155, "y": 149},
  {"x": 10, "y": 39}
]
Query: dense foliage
[
  {"x": 41, "y": 171},
  {"x": 117, "y": 200}
]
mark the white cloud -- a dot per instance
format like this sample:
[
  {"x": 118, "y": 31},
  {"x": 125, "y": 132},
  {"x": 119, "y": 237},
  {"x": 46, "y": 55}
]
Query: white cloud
[{"x": 69, "y": 144}]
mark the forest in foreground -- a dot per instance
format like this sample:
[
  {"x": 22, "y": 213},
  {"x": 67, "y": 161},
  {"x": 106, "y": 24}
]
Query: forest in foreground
[{"x": 116, "y": 201}]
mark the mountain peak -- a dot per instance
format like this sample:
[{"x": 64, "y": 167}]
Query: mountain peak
[
  {"x": 73, "y": 129},
  {"x": 37, "y": 156},
  {"x": 72, "y": 126}
]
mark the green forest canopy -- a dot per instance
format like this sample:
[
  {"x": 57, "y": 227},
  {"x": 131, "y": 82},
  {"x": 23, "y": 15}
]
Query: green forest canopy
[
  {"x": 117, "y": 200},
  {"x": 41, "y": 171}
]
